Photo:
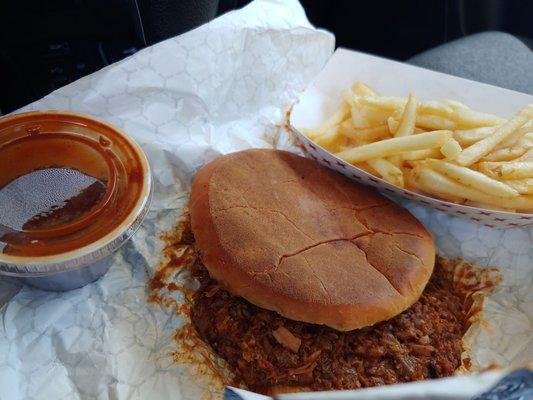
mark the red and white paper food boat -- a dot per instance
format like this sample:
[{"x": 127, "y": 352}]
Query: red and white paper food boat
[{"x": 389, "y": 77}]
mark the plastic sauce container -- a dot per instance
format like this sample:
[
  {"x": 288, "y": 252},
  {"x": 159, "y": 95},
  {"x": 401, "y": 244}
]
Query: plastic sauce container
[{"x": 72, "y": 191}]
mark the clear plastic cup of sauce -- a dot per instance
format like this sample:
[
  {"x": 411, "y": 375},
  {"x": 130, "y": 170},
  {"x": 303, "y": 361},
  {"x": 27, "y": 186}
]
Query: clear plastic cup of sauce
[{"x": 72, "y": 191}]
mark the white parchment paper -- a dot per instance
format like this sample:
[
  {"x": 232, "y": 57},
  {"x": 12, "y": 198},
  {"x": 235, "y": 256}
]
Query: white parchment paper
[{"x": 219, "y": 88}]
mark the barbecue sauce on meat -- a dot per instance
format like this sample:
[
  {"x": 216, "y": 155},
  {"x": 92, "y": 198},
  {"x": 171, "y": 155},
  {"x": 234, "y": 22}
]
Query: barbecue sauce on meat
[{"x": 424, "y": 342}]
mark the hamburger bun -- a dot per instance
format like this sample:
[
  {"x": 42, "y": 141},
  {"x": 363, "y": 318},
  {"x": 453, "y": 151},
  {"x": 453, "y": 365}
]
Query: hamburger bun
[{"x": 292, "y": 236}]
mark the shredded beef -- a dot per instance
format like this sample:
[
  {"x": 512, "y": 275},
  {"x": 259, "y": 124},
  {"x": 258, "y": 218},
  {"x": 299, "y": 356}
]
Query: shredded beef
[{"x": 423, "y": 342}]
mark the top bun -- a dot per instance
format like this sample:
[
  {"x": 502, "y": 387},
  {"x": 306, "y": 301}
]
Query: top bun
[{"x": 292, "y": 236}]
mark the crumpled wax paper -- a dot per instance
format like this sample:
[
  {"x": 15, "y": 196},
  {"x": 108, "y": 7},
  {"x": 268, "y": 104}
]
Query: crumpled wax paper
[{"x": 220, "y": 88}]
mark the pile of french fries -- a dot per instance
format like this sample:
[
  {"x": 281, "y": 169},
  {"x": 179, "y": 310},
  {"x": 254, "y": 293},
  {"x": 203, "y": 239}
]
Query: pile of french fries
[{"x": 439, "y": 148}]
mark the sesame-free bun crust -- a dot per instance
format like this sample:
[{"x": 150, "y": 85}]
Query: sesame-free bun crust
[{"x": 292, "y": 236}]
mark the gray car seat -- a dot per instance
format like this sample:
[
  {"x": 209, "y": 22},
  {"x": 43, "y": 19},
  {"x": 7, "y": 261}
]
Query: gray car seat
[{"x": 495, "y": 58}]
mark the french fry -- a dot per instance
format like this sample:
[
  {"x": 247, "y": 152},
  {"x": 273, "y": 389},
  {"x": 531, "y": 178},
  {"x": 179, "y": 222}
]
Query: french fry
[
  {"x": 439, "y": 183},
  {"x": 435, "y": 122},
  {"x": 461, "y": 117},
  {"x": 436, "y": 183},
  {"x": 466, "y": 118},
  {"x": 408, "y": 120},
  {"x": 409, "y": 164},
  {"x": 517, "y": 136},
  {"x": 387, "y": 103},
  {"x": 451, "y": 149},
  {"x": 374, "y": 116},
  {"x": 346, "y": 126},
  {"x": 435, "y": 108},
  {"x": 522, "y": 186},
  {"x": 343, "y": 144},
  {"x": 526, "y": 140},
  {"x": 396, "y": 160},
  {"x": 506, "y": 154},
  {"x": 494, "y": 168},
  {"x": 488, "y": 167},
  {"x": 515, "y": 170},
  {"x": 456, "y": 104},
  {"x": 364, "y": 135},
  {"x": 388, "y": 171},
  {"x": 358, "y": 117},
  {"x": 421, "y": 154},
  {"x": 328, "y": 138},
  {"x": 520, "y": 203},
  {"x": 340, "y": 115},
  {"x": 473, "y": 179},
  {"x": 349, "y": 97},
  {"x": 527, "y": 156},
  {"x": 413, "y": 183},
  {"x": 397, "y": 114},
  {"x": 390, "y": 147},
  {"x": 474, "y": 152},
  {"x": 367, "y": 168},
  {"x": 471, "y": 136},
  {"x": 393, "y": 125},
  {"x": 361, "y": 89}
]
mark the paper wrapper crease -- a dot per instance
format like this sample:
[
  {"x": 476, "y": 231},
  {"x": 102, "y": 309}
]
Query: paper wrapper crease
[{"x": 222, "y": 87}]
